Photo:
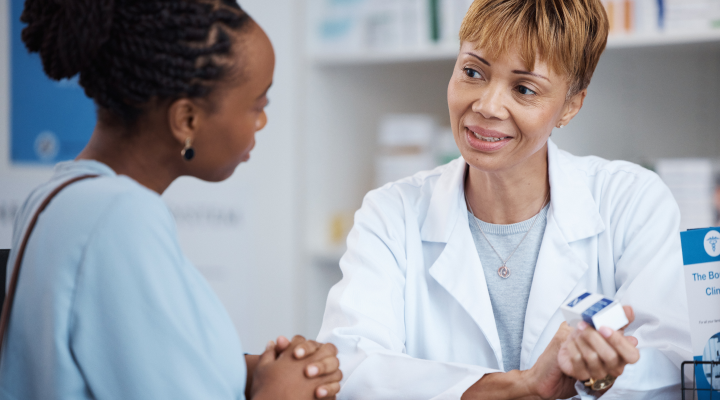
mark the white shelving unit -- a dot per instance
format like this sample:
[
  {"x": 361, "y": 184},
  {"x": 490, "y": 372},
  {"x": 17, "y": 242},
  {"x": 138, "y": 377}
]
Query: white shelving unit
[
  {"x": 653, "y": 96},
  {"x": 445, "y": 52}
]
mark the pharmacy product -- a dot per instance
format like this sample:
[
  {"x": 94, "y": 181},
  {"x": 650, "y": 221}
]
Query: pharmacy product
[{"x": 596, "y": 310}]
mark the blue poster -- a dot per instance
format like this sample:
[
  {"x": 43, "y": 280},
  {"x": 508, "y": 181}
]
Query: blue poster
[{"x": 49, "y": 121}]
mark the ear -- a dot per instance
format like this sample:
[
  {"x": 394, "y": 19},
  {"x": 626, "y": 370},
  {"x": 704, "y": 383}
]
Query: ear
[
  {"x": 183, "y": 119},
  {"x": 572, "y": 108}
]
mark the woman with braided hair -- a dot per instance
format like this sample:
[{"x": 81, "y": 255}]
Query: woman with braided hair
[{"x": 102, "y": 303}]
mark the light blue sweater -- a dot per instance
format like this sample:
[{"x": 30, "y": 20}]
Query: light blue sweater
[{"x": 107, "y": 305}]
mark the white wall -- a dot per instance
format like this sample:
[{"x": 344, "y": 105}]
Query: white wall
[{"x": 242, "y": 233}]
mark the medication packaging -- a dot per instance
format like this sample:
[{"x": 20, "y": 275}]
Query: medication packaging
[{"x": 596, "y": 310}]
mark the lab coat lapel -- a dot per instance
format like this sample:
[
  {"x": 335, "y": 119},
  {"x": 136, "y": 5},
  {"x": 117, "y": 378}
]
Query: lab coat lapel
[
  {"x": 573, "y": 216},
  {"x": 458, "y": 269}
]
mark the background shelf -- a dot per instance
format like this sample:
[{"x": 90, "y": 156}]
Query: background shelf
[{"x": 445, "y": 52}]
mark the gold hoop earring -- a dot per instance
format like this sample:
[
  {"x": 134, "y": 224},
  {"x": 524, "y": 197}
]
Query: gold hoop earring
[{"x": 188, "y": 152}]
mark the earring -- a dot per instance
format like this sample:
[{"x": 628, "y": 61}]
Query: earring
[
  {"x": 561, "y": 126},
  {"x": 188, "y": 152}
]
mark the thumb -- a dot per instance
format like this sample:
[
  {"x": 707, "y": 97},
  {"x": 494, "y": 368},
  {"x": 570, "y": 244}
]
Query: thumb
[{"x": 268, "y": 355}]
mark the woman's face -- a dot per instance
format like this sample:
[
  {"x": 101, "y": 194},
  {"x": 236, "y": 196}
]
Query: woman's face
[
  {"x": 501, "y": 114},
  {"x": 227, "y": 134}
]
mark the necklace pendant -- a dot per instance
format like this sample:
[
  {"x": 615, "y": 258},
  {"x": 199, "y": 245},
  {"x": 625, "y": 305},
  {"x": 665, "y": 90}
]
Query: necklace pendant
[{"x": 504, "y": 272}]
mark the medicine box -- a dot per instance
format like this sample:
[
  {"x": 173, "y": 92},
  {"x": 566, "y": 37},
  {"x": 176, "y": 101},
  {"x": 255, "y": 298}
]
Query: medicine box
[{"x": 596, "y": 310}]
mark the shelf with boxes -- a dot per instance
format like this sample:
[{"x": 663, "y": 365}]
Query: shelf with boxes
[{"x": 396, "y": 31}]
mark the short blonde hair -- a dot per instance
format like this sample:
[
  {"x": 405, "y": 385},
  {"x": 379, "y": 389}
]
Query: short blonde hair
[{"x": 570, "y": 35}]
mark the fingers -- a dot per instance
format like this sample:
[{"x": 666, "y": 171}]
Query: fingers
[
  {"x": 624, "y": 347},
  {"x": 305, "y": 349},
  {"x": 325, "y": 366},
  {"x": 632, "y": 340},
  {"x": 579, "y": 369},
  {"x": 327, "y": 391},
  {"x": 268, "y": 355},
  {"x": 282, "y": 344},
  {"x": 605, "y": 352},
  {"x": 331, "y": 387},
  {"x": 596, "y": 353},
  {"x": 563, "y": 332}
]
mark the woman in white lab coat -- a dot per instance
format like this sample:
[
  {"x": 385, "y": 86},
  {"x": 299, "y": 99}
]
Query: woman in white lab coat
[{"x": 426, "y": 296}]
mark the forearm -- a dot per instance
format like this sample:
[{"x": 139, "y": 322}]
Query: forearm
[
  {"x": 501, "y": 386},
  {"x": 251, "y": 362}
]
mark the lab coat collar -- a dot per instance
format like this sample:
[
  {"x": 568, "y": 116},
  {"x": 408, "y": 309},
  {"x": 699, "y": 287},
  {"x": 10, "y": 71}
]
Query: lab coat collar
[{"x": 573, "y": 206}]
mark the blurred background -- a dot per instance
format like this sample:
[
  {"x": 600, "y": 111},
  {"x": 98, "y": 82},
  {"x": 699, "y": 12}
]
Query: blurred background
[{"x": 359, "y": 100}]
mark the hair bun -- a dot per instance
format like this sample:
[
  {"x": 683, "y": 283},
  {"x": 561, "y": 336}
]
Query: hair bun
[{"x": 66, "y": 33}]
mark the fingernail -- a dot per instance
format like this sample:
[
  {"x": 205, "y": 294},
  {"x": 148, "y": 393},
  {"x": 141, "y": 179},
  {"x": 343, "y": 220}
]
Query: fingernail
[
  {"x": 269, "y": 345},
  {"x": 582, "y": 325},
  {"x": 322, "y": 392},
  {"x": 312, "y": 370},
  {"x": 300, "y": 352},
  {"x": 606, "y": 332}
]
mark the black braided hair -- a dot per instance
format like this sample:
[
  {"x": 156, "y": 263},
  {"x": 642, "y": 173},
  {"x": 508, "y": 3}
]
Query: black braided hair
[{"x": 130, "y": 51}]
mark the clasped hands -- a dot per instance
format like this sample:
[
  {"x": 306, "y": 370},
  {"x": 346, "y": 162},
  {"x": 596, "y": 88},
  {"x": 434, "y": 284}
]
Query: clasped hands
[{"x": 299, "y": 369}]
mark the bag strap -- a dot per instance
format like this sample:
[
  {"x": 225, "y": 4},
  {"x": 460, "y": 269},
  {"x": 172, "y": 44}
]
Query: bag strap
[{"x": 5, "y": 319}]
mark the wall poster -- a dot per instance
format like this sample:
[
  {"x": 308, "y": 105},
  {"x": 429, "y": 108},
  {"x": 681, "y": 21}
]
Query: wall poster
[{"x": 49, "y": 121}]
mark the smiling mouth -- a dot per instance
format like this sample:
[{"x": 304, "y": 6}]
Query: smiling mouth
[{"x": 488, "y": 138}]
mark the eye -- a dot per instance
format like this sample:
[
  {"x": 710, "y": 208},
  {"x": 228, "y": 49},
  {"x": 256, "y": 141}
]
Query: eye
[
  {"x": 525, "y": 90},
  {"x": 472, "y": 73}
]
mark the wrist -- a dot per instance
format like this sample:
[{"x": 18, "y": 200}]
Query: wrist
[
  {"x": 531, "y": 386},
  {"x": 251, "y": 361},
  {"x": 503, "y": 386}
]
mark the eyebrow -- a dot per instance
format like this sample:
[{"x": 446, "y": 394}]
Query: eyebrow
[
  {"x": 482, "y": 60},
  {"x": 531, "y": 74}
]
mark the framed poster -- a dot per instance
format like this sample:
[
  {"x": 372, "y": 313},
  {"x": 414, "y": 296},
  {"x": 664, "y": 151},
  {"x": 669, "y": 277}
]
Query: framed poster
[{"x": 49, "y": 121}]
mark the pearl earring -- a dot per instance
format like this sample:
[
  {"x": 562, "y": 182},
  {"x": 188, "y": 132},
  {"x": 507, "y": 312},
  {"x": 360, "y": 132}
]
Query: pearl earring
[
  {"x": 188, "y": 152},
  {"x": 561, "y": 126}
]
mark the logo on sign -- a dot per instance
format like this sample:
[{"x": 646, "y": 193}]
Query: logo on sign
[
  {"x": 47, "y": 146},
  {"x": 712, "y": 243}
]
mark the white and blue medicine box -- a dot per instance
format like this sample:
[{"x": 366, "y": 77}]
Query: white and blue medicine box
[{"x": 596, "y": 310}]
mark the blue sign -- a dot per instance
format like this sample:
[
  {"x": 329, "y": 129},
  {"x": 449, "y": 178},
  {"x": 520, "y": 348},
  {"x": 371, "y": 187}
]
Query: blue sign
[
  {"x": 49, "y": 121},
  {"x": 701, "y": 246}
]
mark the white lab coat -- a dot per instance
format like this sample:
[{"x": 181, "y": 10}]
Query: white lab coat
[{"x": 412, "y": 317}]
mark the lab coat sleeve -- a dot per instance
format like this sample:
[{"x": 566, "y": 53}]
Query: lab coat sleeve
[
  {"x": 364, "y": 316},
  {"x": 649, "y": 277},
  {"x": 135, "y": 331}
]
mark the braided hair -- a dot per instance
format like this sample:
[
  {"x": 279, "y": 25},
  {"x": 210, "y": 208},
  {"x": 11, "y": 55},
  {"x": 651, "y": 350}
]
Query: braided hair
[{"x": 128, "y": 52}]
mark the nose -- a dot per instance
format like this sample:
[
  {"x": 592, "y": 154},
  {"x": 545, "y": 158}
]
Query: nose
[
  {"x": 261, "y": 121},
  {"x": 491, "y": 103}
]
